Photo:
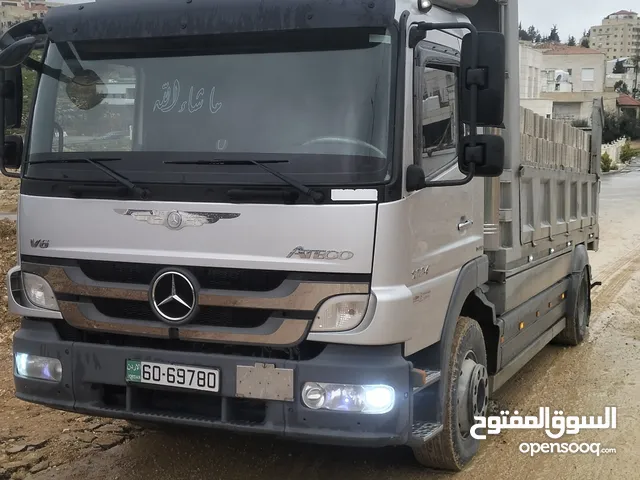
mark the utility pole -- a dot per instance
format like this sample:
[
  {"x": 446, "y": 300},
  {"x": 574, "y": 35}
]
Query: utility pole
[{"x": 636, "y": 59}]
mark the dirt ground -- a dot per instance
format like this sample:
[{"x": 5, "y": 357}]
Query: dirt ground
[
  {"x": 43, "y": 444},
  {"x": 9, "y": 190},
  {"x": 33, "y": 438}
]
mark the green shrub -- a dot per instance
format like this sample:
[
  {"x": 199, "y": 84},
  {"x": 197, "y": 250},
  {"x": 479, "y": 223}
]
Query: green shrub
[
  {"x": 626, "y": 154},
  {"x": 605, "y": 163},
  {"x": 617, "y": 126}
]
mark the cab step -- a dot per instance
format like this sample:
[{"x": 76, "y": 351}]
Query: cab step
[
  {"x": 421, "y": 432},
  {"x": 422, "y": 379}
]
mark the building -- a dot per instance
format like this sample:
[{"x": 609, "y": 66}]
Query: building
[
  {"x": 618, "y": 35},
  {"x": 629, "y": 77},
  {"x": 532, "y": 79},
  {"x": 558, "y": 81},
  {"x": 628, "y": 105},
  {"x": 16, "y": 11},
  {"x": 585, "y": 68}
]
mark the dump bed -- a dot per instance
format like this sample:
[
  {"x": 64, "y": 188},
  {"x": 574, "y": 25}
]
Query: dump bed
[
  {"x": 558, "y": 184},
  {"x": 546, "y": 202}
]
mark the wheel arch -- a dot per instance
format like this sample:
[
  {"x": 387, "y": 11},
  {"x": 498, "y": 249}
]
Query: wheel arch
[{"x": 467, "y": 298}]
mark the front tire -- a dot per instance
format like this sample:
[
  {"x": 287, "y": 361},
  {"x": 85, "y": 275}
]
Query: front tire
[{"x": 467, "y": 395}]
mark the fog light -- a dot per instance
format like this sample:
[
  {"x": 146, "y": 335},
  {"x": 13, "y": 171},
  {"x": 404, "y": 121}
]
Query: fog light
[
  {"x": 340, "y": 313},
  {"x": 42, "y": 368},
  {"x": 370, "y": 399},
  {"x": 39, "y": 291}
]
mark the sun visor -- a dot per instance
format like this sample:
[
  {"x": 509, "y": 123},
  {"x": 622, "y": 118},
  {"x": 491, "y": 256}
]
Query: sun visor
[{"x": 131, "y": 19}]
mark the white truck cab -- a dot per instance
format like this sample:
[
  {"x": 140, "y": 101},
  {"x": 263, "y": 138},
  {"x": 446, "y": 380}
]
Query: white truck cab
[{"x": 329, "y": 221}]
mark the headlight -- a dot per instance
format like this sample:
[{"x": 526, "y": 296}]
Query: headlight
[
  {"x": 38, "y": 291},
  {"x": 371, "y": 399},
  {"x": 41, "y": 368},
  {"x": 340, "y": 313}
]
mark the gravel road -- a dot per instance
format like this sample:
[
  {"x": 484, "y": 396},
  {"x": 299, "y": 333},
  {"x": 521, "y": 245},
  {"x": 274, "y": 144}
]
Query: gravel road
[{"x": 604, "y": 371}]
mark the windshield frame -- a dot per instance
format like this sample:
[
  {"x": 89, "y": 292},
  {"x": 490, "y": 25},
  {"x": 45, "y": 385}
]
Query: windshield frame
[{"x": 391, "y": 152}]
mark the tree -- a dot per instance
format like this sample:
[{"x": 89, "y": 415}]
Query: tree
[
  {"x": 521, "y": 33},
  {"x": 621, "y": 87},
  {"x": 524, "y": 35},
  {"x": 617, "y": 126},
  {"x": 572, "y": 41},
  {"x": 619, "y": 67},
  {"x": 554, "y": 35},
  {"x": 584, "y": 43}
]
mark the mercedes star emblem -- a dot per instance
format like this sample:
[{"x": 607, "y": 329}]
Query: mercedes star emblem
[
  {"x": 174, "y": 220},
  {"x": 174, "y": 297}
]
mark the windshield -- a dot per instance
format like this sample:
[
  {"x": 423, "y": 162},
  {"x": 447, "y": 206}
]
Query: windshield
[{"x": 319, "y": 101}]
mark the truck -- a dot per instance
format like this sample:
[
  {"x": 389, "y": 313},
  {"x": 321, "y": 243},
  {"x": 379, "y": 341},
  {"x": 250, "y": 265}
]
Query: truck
[{"x": 331, "y": 221}]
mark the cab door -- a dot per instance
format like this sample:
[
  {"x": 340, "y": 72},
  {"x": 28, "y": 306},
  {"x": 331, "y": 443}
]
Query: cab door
[{"x": 446, "y": 223}]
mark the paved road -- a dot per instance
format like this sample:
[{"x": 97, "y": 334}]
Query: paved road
[{"x": 583, "y": 380}]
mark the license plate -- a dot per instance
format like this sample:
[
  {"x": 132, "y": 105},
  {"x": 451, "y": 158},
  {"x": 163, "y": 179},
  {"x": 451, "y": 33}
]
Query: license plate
[{"x": 179, "y": 376}]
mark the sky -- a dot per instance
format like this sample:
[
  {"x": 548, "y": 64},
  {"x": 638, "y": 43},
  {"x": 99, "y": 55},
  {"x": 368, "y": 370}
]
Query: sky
[{"x": 571, "y": 16}]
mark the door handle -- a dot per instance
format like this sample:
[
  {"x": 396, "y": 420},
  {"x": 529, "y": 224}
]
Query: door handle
[{"x": 463, "y": 225}]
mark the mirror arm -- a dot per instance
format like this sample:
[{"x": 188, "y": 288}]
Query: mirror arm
[
  {"x": 43, "y": 69},
  {"x": 454, "y": 183},
  {"x": 7, "y": 173},
  {"x": 32, "y": 64}
]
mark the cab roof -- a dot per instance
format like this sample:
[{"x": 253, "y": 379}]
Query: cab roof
[{"x": 131, "y": 19}]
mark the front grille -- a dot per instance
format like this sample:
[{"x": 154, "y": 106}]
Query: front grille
[
  {"x": 208, "y": 316},
  {"x": 208, "y": 277},
  {"x": 306, "y": 350}
]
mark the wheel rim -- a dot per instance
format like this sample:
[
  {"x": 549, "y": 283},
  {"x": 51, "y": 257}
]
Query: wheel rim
[{"x": 473, "y": 394}]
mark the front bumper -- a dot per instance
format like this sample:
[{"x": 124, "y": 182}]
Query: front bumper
[{"x": 93, "y": 383}]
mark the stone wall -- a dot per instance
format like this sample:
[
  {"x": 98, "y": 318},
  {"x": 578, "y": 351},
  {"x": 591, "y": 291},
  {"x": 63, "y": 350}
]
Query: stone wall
[{"x": 614, "y": 149}]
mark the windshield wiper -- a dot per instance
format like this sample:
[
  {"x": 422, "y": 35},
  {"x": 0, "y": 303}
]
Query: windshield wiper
[
  {"x": 142, "y": 193},
  {"x": 316, "y": 196}
]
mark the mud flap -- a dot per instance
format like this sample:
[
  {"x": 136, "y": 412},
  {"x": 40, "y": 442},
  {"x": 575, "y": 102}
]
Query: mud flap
[{"x": 592, "y": 286}]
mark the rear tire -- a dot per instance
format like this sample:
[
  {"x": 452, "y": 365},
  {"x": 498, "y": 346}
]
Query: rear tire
[
  {"x": 467, "y": 395},
  {"x": 576, "y": 328}
]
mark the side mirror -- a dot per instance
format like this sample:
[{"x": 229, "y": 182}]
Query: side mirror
[
  {"x": 11, "y": 93},
  {"x": 11, "y": 154},
  {"x": 487, "y": 155},
  {"x": 489, "y": 76},
  {"x": 16, "y": 53}
]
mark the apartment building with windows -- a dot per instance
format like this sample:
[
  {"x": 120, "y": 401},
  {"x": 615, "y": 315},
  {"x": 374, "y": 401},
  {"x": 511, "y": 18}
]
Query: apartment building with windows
[
  {"x": 618, "y": 36},
  {"x": 558, "y": 81}
]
